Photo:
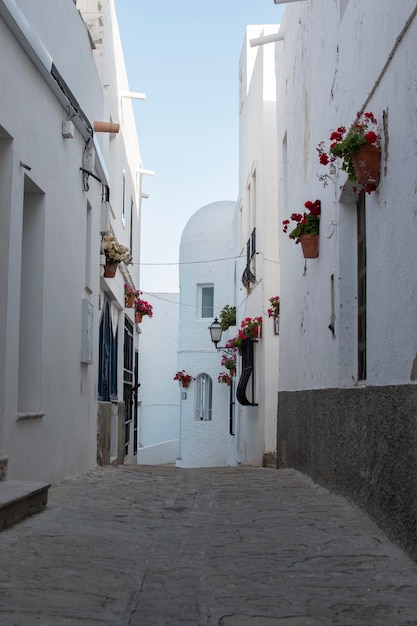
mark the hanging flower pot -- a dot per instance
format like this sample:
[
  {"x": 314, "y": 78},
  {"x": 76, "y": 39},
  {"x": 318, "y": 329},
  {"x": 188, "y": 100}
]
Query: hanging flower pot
[
  {"x": 130, "y": 295},
  {"x": 256, "y": 332},
  {"x": 307, "y": 229},
  {"x": 110, "y": 270},
  {"x": 183, "y": 378},
  {"x": 250, "y": 327},
  {"x": 138, "y": 317},
  {"x": 224, "y": 378},
  {"x": 232, "y": 372},
  {"x": 129, "y": 300},
  {"x": 310, "y": 246},
  {"x": 367, "y": 164},
  {"x": 142, "y": 307}
]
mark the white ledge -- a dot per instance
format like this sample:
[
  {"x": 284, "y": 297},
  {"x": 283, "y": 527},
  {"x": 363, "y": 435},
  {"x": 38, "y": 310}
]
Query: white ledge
[{"x": 29, "y": 415}]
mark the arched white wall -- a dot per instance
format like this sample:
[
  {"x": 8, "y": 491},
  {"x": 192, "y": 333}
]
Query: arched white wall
[{"x": 207, "y": 254}]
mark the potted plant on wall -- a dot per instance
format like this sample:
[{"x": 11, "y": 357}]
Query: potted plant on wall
[
  {"x": 307, "y": 229},
  {"x": 236, "y": 343},
  {"x": 359, "y": 148},
  {"x": 183, "y": 378},
  {"x": 250, "y": 327},
  {"x": 227, "y": 317},
  {"x": 225, "y": 378},
  {"x": 115, "y": 253},
  {"x": 273, "y": 312},
  {"x": 142, "y": 307},
  {"x": 130, "y": 295},
  {"x": 229, "y": 362}
]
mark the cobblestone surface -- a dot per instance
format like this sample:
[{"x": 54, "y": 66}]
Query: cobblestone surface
[{"x": 163, "y": 546}]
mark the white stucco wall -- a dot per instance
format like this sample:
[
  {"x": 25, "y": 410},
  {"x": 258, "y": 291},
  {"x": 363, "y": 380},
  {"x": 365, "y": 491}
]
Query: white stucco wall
[
  {"x": 159, "y": 415},
  {"x": 63, "y": 441},
  {"x": 350, "y": 64},
  {"x": 257, "y": 167},
  {"x": 207, "y": 256},
  {"x": 44, "y": 289}
]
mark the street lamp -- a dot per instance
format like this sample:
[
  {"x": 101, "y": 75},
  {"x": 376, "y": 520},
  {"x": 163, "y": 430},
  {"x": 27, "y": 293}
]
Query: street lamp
[
  {"x": 215, "y": 332},
  {"x": 216, "y": 335}
]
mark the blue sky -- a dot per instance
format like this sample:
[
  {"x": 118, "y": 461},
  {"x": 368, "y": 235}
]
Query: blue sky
[{"x": 185, "y": 56}]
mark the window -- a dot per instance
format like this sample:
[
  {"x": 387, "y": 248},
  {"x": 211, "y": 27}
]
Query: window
[
  {"x": 131, "y": 225},
  {"x": 206, "y": 300},
  {"x": 204, "y": 394},
  {"x": 128, "y": 374},
  {"x": 31, "y": 299},
  {"x": 285, "y": 169},
  {"x": 107, "y": 360},
  {"x": 252, "y": 191},
  {"x": 249, "y": 276},
  {"x": 361, "y": 289}
]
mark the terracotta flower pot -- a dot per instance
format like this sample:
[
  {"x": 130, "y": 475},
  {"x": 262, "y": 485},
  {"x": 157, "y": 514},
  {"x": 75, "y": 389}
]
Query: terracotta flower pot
[
  {"x": 138, "y": 317},
  {"x": 367, "y": 164},
  {"x": 256, "y": 333},
  {"x": 185, "y": 383},
  {"x": 232, "y": 372},
  {"x": 310, "y": 246},
  {"x": 129, "y": 300},
  {"x": 228, "y": 382},
  {"x": 110, "y": 270}
]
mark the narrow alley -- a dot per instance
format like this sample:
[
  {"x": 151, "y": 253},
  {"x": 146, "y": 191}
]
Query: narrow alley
[{"x": 162, "y": 546}]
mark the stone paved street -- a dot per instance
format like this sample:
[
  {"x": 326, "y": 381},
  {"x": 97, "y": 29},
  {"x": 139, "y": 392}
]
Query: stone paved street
[{"x": 162, "y": 546}]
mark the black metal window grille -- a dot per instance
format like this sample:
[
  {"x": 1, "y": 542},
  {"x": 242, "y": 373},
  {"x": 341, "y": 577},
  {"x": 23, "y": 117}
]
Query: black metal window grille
[
  {"x": 361, "y": 221},
  {"x": 135, "y": 405},
  {"x": 232, "y": 408},
  {"x": 253, "y": 243},
  {"x": 107, "y": 358},
  {"x": 246, "y": 384},
  {"x": 248, "y": 276}
]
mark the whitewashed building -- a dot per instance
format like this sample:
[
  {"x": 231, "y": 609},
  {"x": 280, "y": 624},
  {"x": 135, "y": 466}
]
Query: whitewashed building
[
  {"x": 348, "y": 346},
  {"x": 62, "y": 185},
  {"x": 207, "y": 278},
  {"x": 118, "y": 348},
  {"x": 159, "y": 423},
  {"x": 257, "y": 237}
]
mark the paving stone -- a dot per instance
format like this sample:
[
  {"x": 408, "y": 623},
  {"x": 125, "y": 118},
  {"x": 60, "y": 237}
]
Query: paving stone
[{"x": 165, "y": 546}]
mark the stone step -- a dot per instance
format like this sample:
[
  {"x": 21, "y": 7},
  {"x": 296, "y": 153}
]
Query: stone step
[{"x": 19, "y": 499}]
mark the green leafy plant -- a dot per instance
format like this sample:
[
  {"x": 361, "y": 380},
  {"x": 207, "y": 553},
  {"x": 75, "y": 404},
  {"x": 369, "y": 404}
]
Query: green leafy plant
[
  {"x": 307, "y": 223},
  {"x": 227, "y": 317}
]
